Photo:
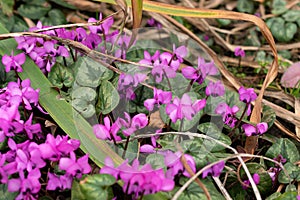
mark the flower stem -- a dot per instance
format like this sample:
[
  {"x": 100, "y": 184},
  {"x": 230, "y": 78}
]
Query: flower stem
[
  {"x": 239, "y": 121},
  {"x": 126, "y": 146}
]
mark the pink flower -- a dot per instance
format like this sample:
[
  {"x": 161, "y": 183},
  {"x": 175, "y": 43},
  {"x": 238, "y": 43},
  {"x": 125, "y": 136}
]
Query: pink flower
[
  {"x": 107, "y": 131},
  {"x": 139, "y": 121},
  {"x": 238, "y": 51},
  {"x": 215, "y": 170},
  {"x": 215, "y": 89},
  {"x": 160, "y": 97},
  {"x": 259, "y": 129},
  {"x": 184, "y": 108},
  {"x": 13, "y": 62}
]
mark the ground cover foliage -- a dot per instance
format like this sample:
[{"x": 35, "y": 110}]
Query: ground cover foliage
[{"x": 102, "y": 100}]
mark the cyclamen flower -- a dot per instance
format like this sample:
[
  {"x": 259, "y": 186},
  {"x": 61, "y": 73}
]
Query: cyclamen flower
[
  {"x": 75, "y": 167},
  {"x": 103, "y": 27},
  {"x": 162, "y": 69},
  {"x": 128, "y": 82},
  {"x": 247, "y": 95},
  {"x": 175, "y": 166},
  {"x": 107, "y": 131},
  {"x": 184, "y": 108},
  {"x": 61, "y": 182},
  {"x": 215, "y": 170},
  {"x": 138, "y": 179},
  {"x": 215, "y": 89},
  {"x": 150, "y": 60},
  {"x": 199, "y": 74},
  {"x": 259, "y": 129},
  {"x": 174, "y": 59},
  {"x": 256, "y": 179},
  {"x": 238, "y": 51},
  {"x": 228, "y": 114},
  {"x": 139, "y": 121},
  {"x": 160, "y": 97},
  {"x": 153, "y": 23},
  {"x": 54, "y": 148},
  {"x": 13, "y": 62}
]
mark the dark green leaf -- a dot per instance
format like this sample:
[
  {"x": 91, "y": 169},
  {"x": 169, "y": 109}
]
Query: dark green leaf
[
  {"x": 8, "y": 21},
  {"x": 7, "y": 7},
  {"x": 61, "y": 76},
  {"x": 94, "y": 187},
  {"x": 245, "y": 6},
  {"x": 63, "y": 4},
  {"x": 156, "y": 161},
  {"x": 19, "y": 25},
  {"x": 265, "y": 182},
  {"x": 5, "y": 195},
  {"x": 137, "y": 105},
  {"x": 282, "y": 31},
  {"x": 210, "y": 129},
  {"x": 293, "y": 171},
  {"x": 178, "y": 84},
  {"x": 288, "y": 196},
  {"x": 291, "y": 15},
  {"x": 273, "y": 196},
  {"x": 108, "y": 98},
  {"x": 286, "y": 148},
  {"x": 269, "y": 115},
  {"x": 278, "y": 7},
  {"x": 55, "y": 17},
  {"x": 223, "y": 22},
  {"x": 76, "y": 192},
  {"x": 90, "y": 73},
  {"x": 83, "y": 101},
  {"x": 34, "y": 11}
]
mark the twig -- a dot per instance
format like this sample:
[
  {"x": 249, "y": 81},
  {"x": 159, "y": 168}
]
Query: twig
[{"x": 222, "y": 188}]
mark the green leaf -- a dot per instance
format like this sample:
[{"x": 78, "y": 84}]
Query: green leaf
[
  {"x": 7, "y": 7},
  {"x": 278, "y": 7},
  {"x": 288, "y": 196},
  {"x": 273, "y": 196},
  {"x": 90, "y": 73},
  {"x": 61, "y": 76},
  {"x": 291, "y": 15},
  {"x": 245, "y": 6},
  {"x": 63, "y": 4},
  {"x": 76, "y": 192},
  {"x": 156, "y": 161},
  {"x": 194, "y": 192},
  {"x": 108, "y": 98},
  {"x": 265, "y": 182},
  {"x": 55, "y": 17},
  {"x": 269, "y": 115},
  {"x": 223, "y": 22},
  {"x": 19, "y": 24},
  {"x": 34, "y": 10},
  {"x": 5, "y": 195},
  {"x": 62, "y": 112},
  {"x": 8, "y": 21},
  {"x": 286, "y": 148},
  {"x": 210, "y": 129},
  {"x": 282, "y": 31},
  {"x": 94, "y": 187},
  {"x": 293, "y": 171},
  {"x": 137, "y": 105},
  {"x": 83, "y": 101},
  {"x": 177, "y": 89}
]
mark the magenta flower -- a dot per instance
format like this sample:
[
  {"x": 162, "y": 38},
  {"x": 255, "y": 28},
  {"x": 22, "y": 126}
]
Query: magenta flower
[
  {"x": 175, "y": 166},
  {"x": 30, "y": 128},
  {"x": 13, "y": 62},
  {"x": 104, "y": 27},
  {"x": 238, "y": 51},
  {"x": 215, "y": 89},
  {"x": 259, "y": 129},
  {"x": 199, "y": 74},
  {"x": 174, "y": 59},
  {"x": 139, "y": 179},
  {"x": 28, "y": 187},
  {"x": 54, "y": 148},
  {"x": 107, "y": 131},
  {"x": 228, "y": 114},
  {"x": 61, "y": 182},
  {"x": 26, "y": 43},
  {"x": 150, "y": 60},
  {"x": 247, "y": 95},
  {"x": 162, "y": 69},
  {"x": 153, "y": 23},
  {"x": 75, "y": 167},
  {"x": 215, "y": 170},
  {"x": 128, "y": 82},
  {"x": 139, "y": 121},
  {"x": 256, "y": 179},
  {"x": 160, "y": 97},
  {"x": 184, "y": 108}
]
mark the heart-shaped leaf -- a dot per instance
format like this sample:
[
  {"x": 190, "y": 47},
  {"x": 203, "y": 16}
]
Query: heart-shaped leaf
[
  {"x": 83, "y": 101},
  {"x": 282, "y": 31},
  {"x": 61, "y": 76},
  {"x": 293, "y": 171},
  {"x": 245, "y": 6}
]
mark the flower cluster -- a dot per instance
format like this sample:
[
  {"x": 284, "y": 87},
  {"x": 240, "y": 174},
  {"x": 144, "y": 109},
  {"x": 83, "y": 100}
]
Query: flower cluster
[
  {"x": 131, "y": 125},
  {"x": 256, "y": 179},
  {"x": 127, "y": 83},
  {"x": 138, "y": 180}
]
